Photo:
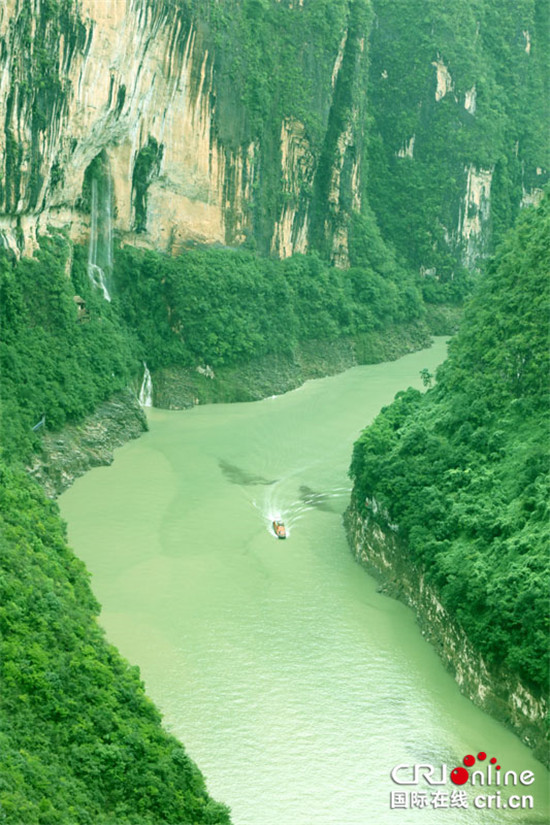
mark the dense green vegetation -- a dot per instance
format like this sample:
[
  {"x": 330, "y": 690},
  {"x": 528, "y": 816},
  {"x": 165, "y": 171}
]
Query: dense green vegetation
[
  {"x": 463, "y": 469},
  {"x": 460, "y": 469},
  {"x": 52, "y": 362},
  {"x": 224, "y": 307},
  {"x": 80, "y": 741},
  {"x": 496, "y": 54},
  {"x": 74, "y": 718},
  {"x": 275, "y": 60},
  {"x": 203, "y": 307}
]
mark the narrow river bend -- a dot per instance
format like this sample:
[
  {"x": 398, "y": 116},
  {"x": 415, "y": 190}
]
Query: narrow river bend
[{"x": 294, "y": 685}]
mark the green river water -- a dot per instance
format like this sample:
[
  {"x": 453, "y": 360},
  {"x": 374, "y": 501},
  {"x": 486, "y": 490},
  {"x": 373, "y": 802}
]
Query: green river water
[{"x": 294, "y": 685}]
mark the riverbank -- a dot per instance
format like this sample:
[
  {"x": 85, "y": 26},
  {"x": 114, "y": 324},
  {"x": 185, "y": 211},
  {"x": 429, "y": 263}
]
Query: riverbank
[
  {"x": 71, "y": 452},
  {"x": 177, "y": 388},
  {"x": 498, "y": 692},
  {"x": 68, "y": 454}
]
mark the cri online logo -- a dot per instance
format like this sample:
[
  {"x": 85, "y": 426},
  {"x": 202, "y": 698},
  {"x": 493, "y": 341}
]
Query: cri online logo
[
  {"x": 460, "y": 775},
  {"x": 485, "y": 774}
]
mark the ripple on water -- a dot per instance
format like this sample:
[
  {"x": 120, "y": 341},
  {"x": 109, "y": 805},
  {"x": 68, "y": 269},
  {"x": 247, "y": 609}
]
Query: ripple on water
[{"x": 293, "y": 683}]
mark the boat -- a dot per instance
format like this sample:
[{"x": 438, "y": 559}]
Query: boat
[{"x": 279, "y": 529}]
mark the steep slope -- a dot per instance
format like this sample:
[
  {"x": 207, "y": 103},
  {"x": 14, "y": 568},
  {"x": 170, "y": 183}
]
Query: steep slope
[
  {"x": 215, "y": 122},
  {"x": 274, "y": 122},
  {"x": 458, "y": 95},
  {"x": 81, "y": 743},
  {"x": 451, "y": 489}
]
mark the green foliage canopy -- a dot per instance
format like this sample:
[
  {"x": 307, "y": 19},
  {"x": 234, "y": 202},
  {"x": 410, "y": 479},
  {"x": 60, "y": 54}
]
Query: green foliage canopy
[
  {"x": 226, "y": 306},
  {"x": 81, "y": 743},
  {"x": 463, "y": 470},
  {"x": 50, "y": 362}
]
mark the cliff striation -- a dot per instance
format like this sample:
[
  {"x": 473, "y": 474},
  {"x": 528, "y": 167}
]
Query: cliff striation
[
  {"x": 450, "y": 495},
  {"x": 274, "y": 123},
  {"x": 458, "y": 141},
  {"x": 170, "y": 96},
  {"x": 497, "y": 690}
]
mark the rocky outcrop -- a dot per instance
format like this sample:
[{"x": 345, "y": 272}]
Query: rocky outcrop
[
  {"x": 448, "y": 165},
  {"x": 145, "y": 87},
  {"x": 204, "y": 144},
  {"x": 131, "y": 76},
  {"x": 474, "y": 214},
  {"x": 297, "y": 167},
  {"x": 182, "y": 387},
  {"x": 445, "y": 83},
  {"x": 68, "y": 454},
  {"x": 496, "y": 690}
]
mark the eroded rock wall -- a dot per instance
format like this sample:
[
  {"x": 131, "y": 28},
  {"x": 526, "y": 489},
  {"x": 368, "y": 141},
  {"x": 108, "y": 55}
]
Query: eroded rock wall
[
  {"x": 125, "y": 78},
  {"x": 496, "y": 691},
  {"x": 457, "y": 142},
  {"x": 143, "y": 85},
  {"x": 68, "y": 454}
]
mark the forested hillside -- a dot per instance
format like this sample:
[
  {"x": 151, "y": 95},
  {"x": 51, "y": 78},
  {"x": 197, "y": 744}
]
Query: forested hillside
[
  {"x": 60, "y": 357},
  {"x": 455, "y": 146},
  {"x": 56, "y": 361},
  {"x": 463, "y": 469},
  {"x": 80, "y": 740},
  {"x": 202, "y": 184}
]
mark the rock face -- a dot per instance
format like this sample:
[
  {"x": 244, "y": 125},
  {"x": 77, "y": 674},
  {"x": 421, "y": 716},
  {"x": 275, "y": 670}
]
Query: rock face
[
  {"x": 68, "y": 454},
  {"x": 476, "y": 213},
  {"x": 498, "y": 692},
  {"x": 178, "y": 388},
  {"x": 128, "y": 79},
  {"x": 256, "y": 120},
  {"x": 145, "y": 86},
  {"x": 297, "y": 164},
  {"x": 445, "y": 179}
]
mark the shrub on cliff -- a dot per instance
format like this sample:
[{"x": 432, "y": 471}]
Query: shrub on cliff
[
  {"x": 52, "y": 362},
  {"x": 463, "y": 469}
]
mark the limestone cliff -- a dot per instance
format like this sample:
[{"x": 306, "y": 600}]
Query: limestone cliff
[
  {"x": 151, "y": 88},
  {"x": 496, "y": 690},
  {"x": 256, "y": 121},
  {"x": 458, "y": 141}
]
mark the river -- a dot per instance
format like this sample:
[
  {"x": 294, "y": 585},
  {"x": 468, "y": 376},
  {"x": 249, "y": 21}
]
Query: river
[{"x": 293, "y": 683}]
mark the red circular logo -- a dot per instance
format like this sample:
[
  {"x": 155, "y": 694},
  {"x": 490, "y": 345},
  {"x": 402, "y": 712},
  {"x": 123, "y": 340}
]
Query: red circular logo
[{"x": 459, "y": 776}]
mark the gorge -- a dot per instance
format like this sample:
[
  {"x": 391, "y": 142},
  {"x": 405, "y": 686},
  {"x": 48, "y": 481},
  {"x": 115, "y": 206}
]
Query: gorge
[
  {"x": 205, "y": 202},
  {"x": 306, "y": 686}
]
